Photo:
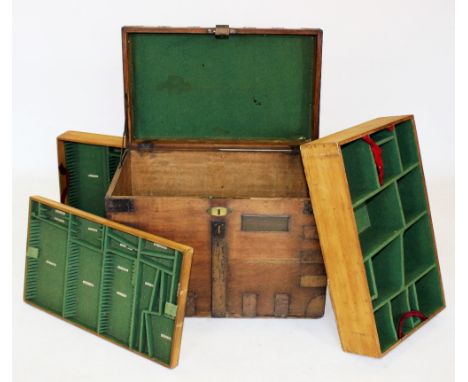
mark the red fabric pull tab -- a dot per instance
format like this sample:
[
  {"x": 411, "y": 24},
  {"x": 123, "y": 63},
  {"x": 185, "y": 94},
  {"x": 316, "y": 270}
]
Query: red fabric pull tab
[
  {"x": 64, "y": 171},
  {"x": 377, "y": 153},
  {"x": 391, "y": 128},
  {"x": 404, "y": 317}
]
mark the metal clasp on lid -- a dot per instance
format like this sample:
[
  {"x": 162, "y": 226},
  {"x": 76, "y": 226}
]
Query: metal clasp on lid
[{"x": 222, "y": 31}]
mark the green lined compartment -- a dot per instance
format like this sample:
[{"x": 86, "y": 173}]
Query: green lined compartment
[
  {"x": 385, "y": 219},
  {"x": 429, "y": 291},
  {"x": 394, "y": 229},
  {"x": 407, "y": 143},
  {"x": 385, "y": 327},
  {"x": 195, "y": 86},
  {"x": 391, "y": 160},
  {"x": 411, "y": 188},
  {"x": 401, "y": 305},
  {"x": 120, "y": 311},
  {"x": 419, "y": 249},
  {"x": 360, "y": 169},
  {"x": 90, "y": 169},
  {"x": 103, "y": 279},
  {"x": 388, "y": 270},
  {"x": 50, "y": 273}
]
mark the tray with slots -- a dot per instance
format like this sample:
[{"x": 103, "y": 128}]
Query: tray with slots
[
  {"x": 120, "y": 283},
  {"x": 386, "y": 235},
  {"x": 87, "y": 163}
]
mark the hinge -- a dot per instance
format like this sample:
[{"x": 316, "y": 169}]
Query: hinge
[{"x": 222, "y": 31}]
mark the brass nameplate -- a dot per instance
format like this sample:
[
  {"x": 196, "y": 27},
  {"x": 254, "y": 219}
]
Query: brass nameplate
[{"x": 264, "y": 223}]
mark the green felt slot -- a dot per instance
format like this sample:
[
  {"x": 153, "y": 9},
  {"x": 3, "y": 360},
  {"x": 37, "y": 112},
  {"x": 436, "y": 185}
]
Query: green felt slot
[
  {"x": 195, "y": 86},
  {"x": 121, "y": 300},
  {"x": 385, "y": 217},
  {"x": 55, "y": 216},
  {"x": 145, "y": 288},
  {"x": 385, "y": 327},
  {"x": 88, "y": 232},
  {"x": 105, "y": 293},
  {"x": 90, "y": 169},
  {"x": 360, "y": 169},
  {"x": 371, "y": 280},
  {"x": 391, "y": 160},
  {"x": 388, "y": 270},
  {"x": 122, "y": 242},
  {"x": 51, "y": 267},
  {"x": 407, "y": 143},
  {"x": 77, "y": 273},
  {"x": 88, "y": 286},
  {"x": 429, "y": 292},
  {"x": 400, "y": 306},
  {"x": 71, "y": 280},
  {"x": 412, "y": 195},
  {"x": 419, "y": 249},
  {"x": 158, "y": 332},
  {"x": 413, "y": 301}
]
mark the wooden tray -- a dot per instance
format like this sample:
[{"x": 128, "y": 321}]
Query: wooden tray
[
  {"x": 124, "y": 285},
  {"x": 370, "y": 202},
  {"x": 87, "y": 163}
]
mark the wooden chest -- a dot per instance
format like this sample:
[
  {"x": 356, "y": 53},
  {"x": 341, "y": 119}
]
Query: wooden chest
[
  {"x": 214, "y": 120},
  {"x": 369, "y": 198},
  {"x": 120, "y": 283}
]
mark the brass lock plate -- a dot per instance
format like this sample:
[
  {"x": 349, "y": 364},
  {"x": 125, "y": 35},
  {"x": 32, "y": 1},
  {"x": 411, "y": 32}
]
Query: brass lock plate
[{"x": 218, "y": 211}]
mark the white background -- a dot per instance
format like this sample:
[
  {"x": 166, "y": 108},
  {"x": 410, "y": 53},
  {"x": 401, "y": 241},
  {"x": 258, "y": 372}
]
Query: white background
[{"x": 379, "y": 58}]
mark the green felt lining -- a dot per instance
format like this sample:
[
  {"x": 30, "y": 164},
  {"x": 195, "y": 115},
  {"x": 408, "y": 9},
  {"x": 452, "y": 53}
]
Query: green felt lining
[
  {"x": 360, "y": 169},
  {"x": 245, "y": 87},
  {"x": 90, "y": 168},
  {"x": 87, "y": 273},
  {"x": 394, "y": 230}
]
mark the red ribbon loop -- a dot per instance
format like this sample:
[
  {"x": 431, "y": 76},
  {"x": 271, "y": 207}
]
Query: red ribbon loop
[
  {"x": 404, "y": 317},
  {"x": 377, "y": 153}
]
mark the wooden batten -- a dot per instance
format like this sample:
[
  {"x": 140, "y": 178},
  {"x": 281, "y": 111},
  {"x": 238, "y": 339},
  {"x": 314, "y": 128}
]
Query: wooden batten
[{"x": 338, "y": 239}]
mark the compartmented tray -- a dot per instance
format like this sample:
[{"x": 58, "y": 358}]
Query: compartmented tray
[
  {"x": 123, "y": 284},
  {"x": 87, "y": 162},
  {"x": 369, "y": 199}
]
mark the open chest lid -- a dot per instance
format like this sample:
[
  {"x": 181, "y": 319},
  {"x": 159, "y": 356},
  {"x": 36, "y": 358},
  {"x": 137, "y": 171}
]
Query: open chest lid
[{"x": 221, "y": 85}]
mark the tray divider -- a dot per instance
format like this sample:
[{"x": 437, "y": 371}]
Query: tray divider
[
  {"x": 71, "y": 275},
  {"x": 157, "y": 281},
  {"x": 105, "y": 297},
  {"x": 174, "y": 282},
  {"x": 136, "y": 279}
]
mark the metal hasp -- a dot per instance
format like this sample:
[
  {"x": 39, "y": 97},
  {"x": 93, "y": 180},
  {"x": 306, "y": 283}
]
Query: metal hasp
[
  {"x": 222, "y": 31},
  {"x": 218, "y": 268}
]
